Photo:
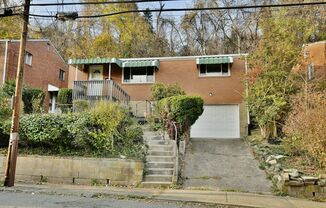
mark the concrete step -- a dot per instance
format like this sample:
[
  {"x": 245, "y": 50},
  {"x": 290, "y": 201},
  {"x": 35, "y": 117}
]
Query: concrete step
[
  {"x": 159, "y": 171},
  {"x": 159, "y": 165},
  {"x": 151, "y": 158},
  {"x": 156, "y": 137},
  {"x": 161, "y": 147},
  {"x": 159, "y": 153},
  {"x": 158, "y": 142},
  {"x": 155, "y": 178},
  {"x": 158, "y": 184}
]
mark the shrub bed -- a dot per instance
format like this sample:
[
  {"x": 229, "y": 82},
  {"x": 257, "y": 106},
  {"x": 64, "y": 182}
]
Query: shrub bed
[
  {"x": 105, "y": 131},
  {"x": 183, "y": 110}
]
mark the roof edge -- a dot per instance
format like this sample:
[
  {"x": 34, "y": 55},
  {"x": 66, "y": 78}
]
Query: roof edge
[{"x": 174, "y": 58}]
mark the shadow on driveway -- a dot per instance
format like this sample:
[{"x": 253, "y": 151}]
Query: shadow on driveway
[{"x": 223, "y": 164}]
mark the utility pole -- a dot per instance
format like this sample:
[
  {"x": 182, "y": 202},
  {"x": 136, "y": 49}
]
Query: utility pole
[{"x": 14, "y": 136}]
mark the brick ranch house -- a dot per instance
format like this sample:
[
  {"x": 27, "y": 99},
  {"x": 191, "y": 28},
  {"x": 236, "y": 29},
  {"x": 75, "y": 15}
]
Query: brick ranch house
[
  {"x": 218, "y": 79},
  {"x": 314, "y": 61},
  {"x": 44, "y": 67}
]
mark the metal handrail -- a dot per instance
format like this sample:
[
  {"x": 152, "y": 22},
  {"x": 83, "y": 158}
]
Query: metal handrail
[{"x": 176, "y": 154}]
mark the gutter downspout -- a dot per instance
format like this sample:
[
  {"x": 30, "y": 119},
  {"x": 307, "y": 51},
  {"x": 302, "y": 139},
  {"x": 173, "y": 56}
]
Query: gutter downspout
[
  {"x": 5, "y": 63},
  {"x": 246, "y": 86}
]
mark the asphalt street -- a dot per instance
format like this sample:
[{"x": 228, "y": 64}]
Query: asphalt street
[{"x": 29, "y": 200}]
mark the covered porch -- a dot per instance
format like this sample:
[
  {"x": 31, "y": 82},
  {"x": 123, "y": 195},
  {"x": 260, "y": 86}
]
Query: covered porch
[{"x": 93, "y": 90}]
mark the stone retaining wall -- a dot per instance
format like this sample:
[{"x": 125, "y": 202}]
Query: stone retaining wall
[
  {"x": 77, "y": 170},
  {"x": 294, "y": 183}
]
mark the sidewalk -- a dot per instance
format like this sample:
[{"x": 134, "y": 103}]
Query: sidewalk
[{"x": 214, "y": 197}]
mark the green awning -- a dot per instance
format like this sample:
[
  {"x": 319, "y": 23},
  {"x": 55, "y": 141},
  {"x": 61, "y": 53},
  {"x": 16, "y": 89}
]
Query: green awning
[
  {"x": 94, "y": 61},
  {"x": 141, "y": 63},
  {"x": 214, "y": 60}
]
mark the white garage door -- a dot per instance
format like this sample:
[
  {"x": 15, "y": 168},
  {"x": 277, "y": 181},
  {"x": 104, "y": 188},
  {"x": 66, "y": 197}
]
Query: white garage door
[{"x": 217, "y": 121}]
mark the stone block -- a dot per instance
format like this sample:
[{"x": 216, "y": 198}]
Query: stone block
[
  {"x": 322, "y": 176},
  {"x": 322, "y": 182},
  {"x": 295, "y": 183},
  {"x": 296, "y": 191},
  {"x": 63, "y": 170},
  {"x": 285, "y": 177},
  {"x": 311, "y": 189}
]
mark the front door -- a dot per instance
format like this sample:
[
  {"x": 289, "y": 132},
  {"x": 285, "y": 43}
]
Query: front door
[{"x": 95, "y": 86}]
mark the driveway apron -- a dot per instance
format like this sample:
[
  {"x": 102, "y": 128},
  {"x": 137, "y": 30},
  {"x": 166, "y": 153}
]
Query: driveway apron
[{"x": 223, "y": 164}]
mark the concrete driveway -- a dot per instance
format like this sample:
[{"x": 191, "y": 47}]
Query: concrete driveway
[{"x": 223, "y": 164}]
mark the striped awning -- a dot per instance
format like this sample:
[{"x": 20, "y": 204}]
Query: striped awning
[
  {"x": 214, "y": 60},
  {"x": 141, "y": 63},
  {"x": 94, "y": 61}
]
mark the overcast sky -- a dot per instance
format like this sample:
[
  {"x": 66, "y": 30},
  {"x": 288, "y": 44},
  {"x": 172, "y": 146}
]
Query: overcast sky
[{"x": 151, "y": 5}]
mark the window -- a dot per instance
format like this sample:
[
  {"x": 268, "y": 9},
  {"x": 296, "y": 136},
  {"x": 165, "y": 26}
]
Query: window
[
  {"x": 311, "y": 71},
  {"x": 28, "y": 58},
  {"x": 62, "y": 75},
  {"x": 214, "y": 69},
  {"x": 138, "y": 75}
]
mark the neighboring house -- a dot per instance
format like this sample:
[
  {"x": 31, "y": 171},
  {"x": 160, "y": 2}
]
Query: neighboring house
[
  {"x": 314, "y": 61},
  {"x": 44, "y": 67},
  {"x": 218, "y": 79}
]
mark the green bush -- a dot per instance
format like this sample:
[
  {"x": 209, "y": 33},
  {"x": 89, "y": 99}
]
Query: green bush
[
  {"x": 5, "y": 110},
  {"x": 65, "y": 99},
  {"x": 4, "y": 132},
  {"x": 5, "y": 114},
  {"x": 45, "y": 130},
  {"x": 182, "y": 109},
  {"x": 106, "y": 131},
  {"x": 65, "y": 96},
  {"x": 9, "y": 87},
  {"x": 33, "y": 98},
  {"x": 81, "y": 105},
  {"x": 160, "y": 91}
]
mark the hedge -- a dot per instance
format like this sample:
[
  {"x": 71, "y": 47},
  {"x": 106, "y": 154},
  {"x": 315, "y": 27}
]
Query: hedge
[
  {"x": 160, "y": 91},
  {"x": 106, "y": 131},
  {"x": 33, "y": 98},
  {"x": 182, "y": 109},
  {"x": 65, "y": 96}
]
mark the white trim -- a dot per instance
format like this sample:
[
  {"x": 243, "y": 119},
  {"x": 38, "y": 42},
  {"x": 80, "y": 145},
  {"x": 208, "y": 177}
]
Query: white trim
[
  {"x": 76, "y": 75},
  {"x": 184, "y": 57},
  {"x": 4, "y": 71},
  {"x": 52, "y": 88},
  {"x": 39, "y": 40},
  {"x": 28, "y": 58}
]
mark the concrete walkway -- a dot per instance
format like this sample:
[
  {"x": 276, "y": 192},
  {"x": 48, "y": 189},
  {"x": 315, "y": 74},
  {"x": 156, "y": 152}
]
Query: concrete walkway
[
  {"x": 212, "y": 197},
  {"x": 223, "y": 164}
]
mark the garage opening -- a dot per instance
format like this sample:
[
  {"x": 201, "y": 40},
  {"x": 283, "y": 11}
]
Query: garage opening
[{"x": 217, "y": 121}]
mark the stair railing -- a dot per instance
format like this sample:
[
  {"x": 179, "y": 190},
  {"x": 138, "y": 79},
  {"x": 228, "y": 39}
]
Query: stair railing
[{"x": 176, "y": 154}]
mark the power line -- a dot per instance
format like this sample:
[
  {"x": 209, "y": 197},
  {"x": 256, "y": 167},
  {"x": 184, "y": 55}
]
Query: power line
[
  {"x": 92, "y": 3},
  {"x": 192, "y": 9},
  {"x": 101, "y": 2}
]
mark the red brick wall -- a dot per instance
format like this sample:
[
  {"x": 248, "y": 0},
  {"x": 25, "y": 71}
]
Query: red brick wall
[
  {"x": 45, "y": 67},
  {"x": 225, "y": 90},
  {"x": 317, "y": 56},
  {"x": 73, "y": 77}
]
